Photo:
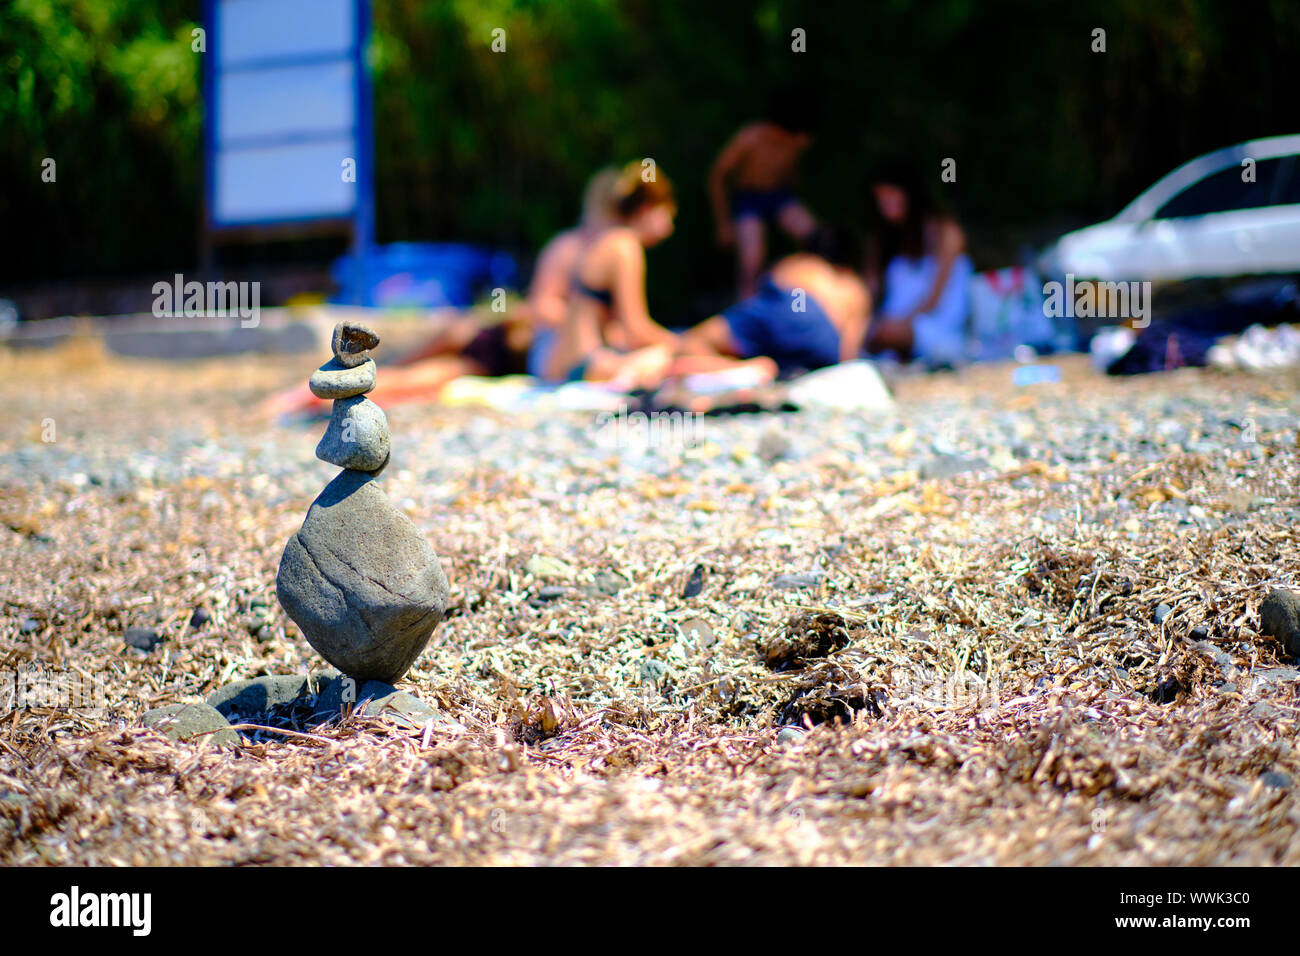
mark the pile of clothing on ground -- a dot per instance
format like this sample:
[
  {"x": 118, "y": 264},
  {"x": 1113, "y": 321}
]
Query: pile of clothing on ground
[{"x": 1249, "y": 326}]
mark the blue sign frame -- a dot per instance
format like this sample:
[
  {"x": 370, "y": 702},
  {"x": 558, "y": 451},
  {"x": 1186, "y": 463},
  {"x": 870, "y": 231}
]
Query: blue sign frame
[{"x": 269, "y": 130}]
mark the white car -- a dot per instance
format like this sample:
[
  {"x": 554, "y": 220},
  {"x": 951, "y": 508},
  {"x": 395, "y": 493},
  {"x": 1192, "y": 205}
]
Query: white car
[{"x": 1205, "y": 219}]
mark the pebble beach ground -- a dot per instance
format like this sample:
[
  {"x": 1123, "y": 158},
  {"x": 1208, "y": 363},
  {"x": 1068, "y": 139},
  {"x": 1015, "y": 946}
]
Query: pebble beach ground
[{"x": 997, "y": 625}]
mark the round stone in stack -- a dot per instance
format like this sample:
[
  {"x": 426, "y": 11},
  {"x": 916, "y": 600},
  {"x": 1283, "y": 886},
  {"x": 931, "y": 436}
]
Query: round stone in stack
[
  {"x": 357, "y": 435},
  {"x": 336, "y": 380}
]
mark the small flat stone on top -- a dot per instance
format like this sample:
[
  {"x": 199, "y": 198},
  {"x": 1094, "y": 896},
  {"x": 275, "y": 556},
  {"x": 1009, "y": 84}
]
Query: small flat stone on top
[
  {"x": 336, "y": 380},
  {"x": 352, "y": 343}
]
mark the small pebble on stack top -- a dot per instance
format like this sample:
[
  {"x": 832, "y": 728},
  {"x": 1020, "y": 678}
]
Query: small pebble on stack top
[{"x": 358, "y": 577}]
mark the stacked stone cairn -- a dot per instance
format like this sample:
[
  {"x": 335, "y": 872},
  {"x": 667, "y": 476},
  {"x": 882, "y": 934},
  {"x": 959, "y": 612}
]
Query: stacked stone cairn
[{"x": 359, "y": 578}]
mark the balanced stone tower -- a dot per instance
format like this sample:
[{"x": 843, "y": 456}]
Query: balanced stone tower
[{"x": 358, "y": 577}]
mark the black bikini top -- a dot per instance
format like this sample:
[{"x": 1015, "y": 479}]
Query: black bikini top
[{"x": 603, "y": 296}]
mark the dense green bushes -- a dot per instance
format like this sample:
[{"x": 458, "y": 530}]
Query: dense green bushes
[{"x": 494, "y": 147}]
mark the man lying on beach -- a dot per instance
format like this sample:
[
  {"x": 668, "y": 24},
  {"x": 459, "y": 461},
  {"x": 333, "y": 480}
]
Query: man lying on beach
[{"x": 811, "y": 310}]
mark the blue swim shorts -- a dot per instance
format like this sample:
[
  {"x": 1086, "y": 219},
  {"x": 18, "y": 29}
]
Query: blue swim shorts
[
  {"x": 765, "y": 204},
  {"x": 770, "y": 323}
]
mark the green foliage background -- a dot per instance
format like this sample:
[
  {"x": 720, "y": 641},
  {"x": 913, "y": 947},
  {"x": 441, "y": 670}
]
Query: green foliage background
[{"x": 482, "y": 146}]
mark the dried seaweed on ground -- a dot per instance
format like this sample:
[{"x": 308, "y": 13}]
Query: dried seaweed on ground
[{"x": 1052, "y": 660}]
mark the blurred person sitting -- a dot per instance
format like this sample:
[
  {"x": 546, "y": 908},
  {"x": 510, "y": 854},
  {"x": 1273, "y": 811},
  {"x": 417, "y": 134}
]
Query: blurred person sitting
[
  {"x": 607, "y": 334},
  {"x": 919, "y": 272},
  {"x": 510, "y": 347},
  {"x": 551, "y": 290},
  {"x": 468, "y": 346}
]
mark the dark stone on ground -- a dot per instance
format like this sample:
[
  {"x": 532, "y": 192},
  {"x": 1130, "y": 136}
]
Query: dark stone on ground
[
  {"x": 330, "y": 700},
  {"x": 143, "y": 638},
  {"x": 696, "y": 583},
  {"x": 200, "y": 617},
  {"x": 1276, "y": 780},
  {"x": 1166, "y": 692},
  {"x": 1279, "y": 616}
]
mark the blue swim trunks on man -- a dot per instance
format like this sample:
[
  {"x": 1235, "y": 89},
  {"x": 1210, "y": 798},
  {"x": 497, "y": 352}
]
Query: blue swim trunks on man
[
  {"x": 766, "y": 204},
  {"x": 770, "y": 323}
]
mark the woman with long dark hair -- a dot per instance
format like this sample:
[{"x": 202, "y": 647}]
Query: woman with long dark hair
[{"x": 919, "y": 272}]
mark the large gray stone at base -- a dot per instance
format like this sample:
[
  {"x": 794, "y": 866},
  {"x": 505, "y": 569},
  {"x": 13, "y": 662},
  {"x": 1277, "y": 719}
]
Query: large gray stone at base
[
  {"x": 187, "y": 721},
  {"x": 361, "y": 581},
  {"x": 357, "y": 435},
  {"x": 252, "y": 697}
]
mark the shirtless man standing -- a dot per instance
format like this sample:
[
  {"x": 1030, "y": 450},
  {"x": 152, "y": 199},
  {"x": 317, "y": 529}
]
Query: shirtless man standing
[{"x": 761, "y": 163}]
